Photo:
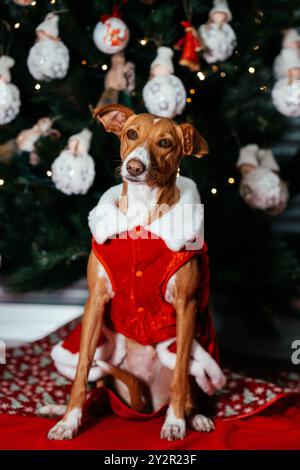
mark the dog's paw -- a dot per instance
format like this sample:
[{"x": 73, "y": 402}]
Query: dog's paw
[
  {"x": 61, "y": 431},
  {"x": 68, "y": 427},
  {"x": 202, "y": 424},
  {"x": 52, "y": 411},
  {"x": 173, "y": 428}
]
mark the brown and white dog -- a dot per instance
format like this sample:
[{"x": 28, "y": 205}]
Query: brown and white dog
[{"x": 151, "y": 150}]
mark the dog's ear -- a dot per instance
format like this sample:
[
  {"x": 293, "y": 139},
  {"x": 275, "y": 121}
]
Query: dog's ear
[
  {"x": 113, "y": 117},
  {"x": 193, "y": 142}
]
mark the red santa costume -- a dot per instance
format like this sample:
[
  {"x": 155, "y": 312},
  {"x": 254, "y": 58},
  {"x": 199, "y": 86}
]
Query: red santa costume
[{"x": 140, "y": 263}]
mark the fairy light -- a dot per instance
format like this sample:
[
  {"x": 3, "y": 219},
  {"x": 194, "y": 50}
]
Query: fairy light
[
  {"x": 263, "y": 88},
  {"x": 223, "y": 74},
  {"x": 37, "y": 86},
  {"x": 17, "y": 25},
  {"x": 33, "y": 3},
  {"x": 1, "y": 182},
  {"x": 143, "y": 42},
  {"x": 255, "y": 48},
  {"x": 214, "y": 68},
  {"x": 201, "y": 76},
  {"x": 84, "y": 62},
  {"x": 251, "y": 70},
  {"x": 49, "y": 173},
  {"x": 213, "y": 191},
  {"x": 189, "y": 100},
  {"x": 104, "y": 67},
  {"x": 231, "y": 180},
  {"x": 192, "y": 91},
  {"x": 53, "y": 2}
]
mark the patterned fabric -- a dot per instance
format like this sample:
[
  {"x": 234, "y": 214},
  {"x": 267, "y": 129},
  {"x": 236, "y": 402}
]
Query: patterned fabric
[{"x": 29, "y": 380}]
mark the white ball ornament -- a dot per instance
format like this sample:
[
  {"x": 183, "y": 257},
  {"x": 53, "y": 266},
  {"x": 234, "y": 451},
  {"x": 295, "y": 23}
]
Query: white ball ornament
[
  {"x": 9, "y": 94},
  {"x": 286, "y": 97},
  {"x": 49, "y": 58},
  {"x": 73, "y": 171},
  {"x": 111, "y": 36},
  {"x": 164, "y": 94},
  {"x": 218, "y": 36}
]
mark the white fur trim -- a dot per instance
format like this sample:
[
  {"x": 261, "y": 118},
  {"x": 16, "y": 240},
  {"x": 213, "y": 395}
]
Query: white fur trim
[{"x": 178, "y": 227}]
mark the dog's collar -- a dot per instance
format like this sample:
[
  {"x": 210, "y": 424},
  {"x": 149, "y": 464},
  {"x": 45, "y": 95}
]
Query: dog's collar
[{"x": 178, "y": 227}]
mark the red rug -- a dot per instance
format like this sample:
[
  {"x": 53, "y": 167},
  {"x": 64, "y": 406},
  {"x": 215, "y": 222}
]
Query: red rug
[{"x": 29, "y": 380}]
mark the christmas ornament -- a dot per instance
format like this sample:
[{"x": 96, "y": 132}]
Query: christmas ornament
[
  {"x": 120, "y": 77},
  {"x": 48, "y": 58},
  {"x": 164, "y": 94},
  {"x": 286, "y": 91},
  {"x": 218, "y": 36},
  {"x": 290, "y": 49},
  {"x": 27, "y": 139},
  {"x": 9, "y": 94},
  {"x": 111, "y": 35},
  {"x": 261, "y": 187},
  {"x": 23, "y": 3},
  {"x": 73, "y": 171},
  {"x": 190, "y": 45}
]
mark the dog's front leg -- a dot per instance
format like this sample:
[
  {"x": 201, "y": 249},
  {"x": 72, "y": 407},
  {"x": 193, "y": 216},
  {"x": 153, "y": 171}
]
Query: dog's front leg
[
  {"x": 68, "y": 426},
  {"x": 186, "y": 283}
]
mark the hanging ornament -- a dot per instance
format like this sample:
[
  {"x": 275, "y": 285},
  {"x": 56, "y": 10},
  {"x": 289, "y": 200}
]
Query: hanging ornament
[
  {"x": 111, "y": 34},
  {"x": 290, "y": 45},
  {"x": 23, "y": 3},
  {"x": 261, "y": 187},
  {"x": 164, "y": 94},
  {"x": 27, "y": 138},
  {"x": 218, "y": 36},
  {"x": 73, "y": 171},
  {"x": 119, "y": 78},
  {"x": 286, "y": 91},
  {"x": 49, "y": 57},
  {"x": 190, "y": 45},
  {"x": 9, "y": 94}
]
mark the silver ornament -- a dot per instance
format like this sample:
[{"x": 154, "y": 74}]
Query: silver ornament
[
  {"x": 286, "y": 97},
  {"x": 73, "y": 174},
  {"x": 9, "y": 102},
  {"x": 48, "y": 59}
]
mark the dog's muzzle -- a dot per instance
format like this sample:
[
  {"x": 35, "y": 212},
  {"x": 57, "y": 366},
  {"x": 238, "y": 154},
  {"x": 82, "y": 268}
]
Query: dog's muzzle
[{"x": 135, "y": 165}]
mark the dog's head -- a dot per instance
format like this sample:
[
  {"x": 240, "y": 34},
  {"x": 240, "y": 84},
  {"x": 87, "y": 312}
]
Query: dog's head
[{"x": 151, "y": 147}]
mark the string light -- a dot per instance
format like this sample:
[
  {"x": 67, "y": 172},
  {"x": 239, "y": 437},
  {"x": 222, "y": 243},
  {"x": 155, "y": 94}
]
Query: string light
[
  {"x": 255, "y": 48},
  {"x": 49, "y": 173},
  {"x": 17, "y": 25},
  {"x": 251, "y": 70},
  {"x": 33, "y": 3},
  {"x": 37, "y": 86},
  {"x": 84, "y": 62},
  {"x": 189, "y": 100},
  {"x": 1, "y": 182},
  {"x": 192, "y": 91},
  {"x": 143, "y": 42},
  {"x": 213, "y": 191},
  {"x": 263, "y": 88},
  {"x": 231, "y": 180},
  {"x": 53, "y": 2},
  {"x": 104, "y": 67},
  {"x": 214, "y": 68},
  {"x": 222, "y": 74},
  {"x": 201, "y": 76}
]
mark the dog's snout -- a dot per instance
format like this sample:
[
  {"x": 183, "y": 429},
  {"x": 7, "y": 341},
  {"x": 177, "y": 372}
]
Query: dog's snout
[{"x": 135, "y": 167}]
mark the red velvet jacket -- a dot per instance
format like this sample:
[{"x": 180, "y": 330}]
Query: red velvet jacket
[{"x": 139, "y": 267}]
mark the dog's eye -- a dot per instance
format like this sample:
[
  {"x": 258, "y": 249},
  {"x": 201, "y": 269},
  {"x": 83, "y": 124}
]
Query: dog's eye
[
  {"x": 131, "y": 134},
  {"x": 164, "y": 143}
]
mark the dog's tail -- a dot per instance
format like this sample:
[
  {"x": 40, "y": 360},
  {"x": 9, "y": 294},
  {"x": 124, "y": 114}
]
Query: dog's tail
[{"x": 133, "y": 384}]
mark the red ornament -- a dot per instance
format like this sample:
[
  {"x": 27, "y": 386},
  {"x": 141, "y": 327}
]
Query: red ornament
[{"x": 190, "y": 45}]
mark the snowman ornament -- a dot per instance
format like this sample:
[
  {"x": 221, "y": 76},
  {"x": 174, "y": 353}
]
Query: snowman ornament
[
  {"x": 286, "y": 91},
  {"x": 49, "y": 58},
  {"x": 218, "y": 36},
  {"x": 9, "y": 94},
  {"x": 290, "y": 45},
  {"x": 73, "y": 171},
  {"x": 164, "y": 94}
]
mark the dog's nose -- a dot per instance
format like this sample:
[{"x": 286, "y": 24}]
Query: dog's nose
[{"x": 135, "y": 167}]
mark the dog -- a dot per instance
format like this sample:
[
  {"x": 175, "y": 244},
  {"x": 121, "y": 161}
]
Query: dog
[{"x": 148, "y": 285}]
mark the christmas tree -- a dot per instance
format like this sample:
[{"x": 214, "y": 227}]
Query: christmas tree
[{"x": 45, "y": 239}]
